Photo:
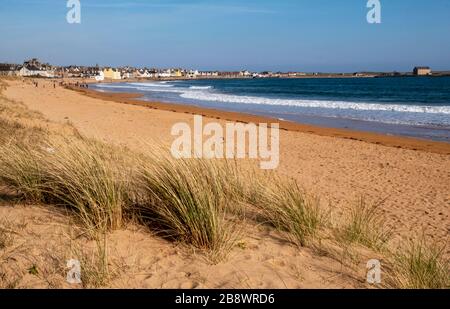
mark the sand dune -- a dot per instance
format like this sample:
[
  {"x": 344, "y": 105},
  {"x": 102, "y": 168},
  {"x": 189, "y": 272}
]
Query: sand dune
[{"x": 414, "y": 184}]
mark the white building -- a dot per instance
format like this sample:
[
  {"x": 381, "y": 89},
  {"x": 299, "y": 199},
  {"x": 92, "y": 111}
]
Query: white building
[
  {"x": 164, "y": 74},
  {"x": 143, "y": 74},
  {"x": 208, "y": 73},
  {"x": 34, "y": 71},
  {"x": 127, "y": 75},
  {"x": 100, "y": 76},
  {"x": 192, "y": 73}
]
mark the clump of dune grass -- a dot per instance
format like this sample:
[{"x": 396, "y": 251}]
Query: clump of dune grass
[
  {"x": 87, "y": 176},
  {"x": 8, "y": 129},
  {"x": 421, "y": 266},
  {"x": 185, "y": 201},
  {"x": 14, "y": 131},
  {"x": 83, "y": 175},
  {"x": 289, "y": 209},
  {"x": 364, "y": 226},
  {"x": 96, "y": 268},
  {"x": 245, "y": 185},
  {"x": 21, "y": 169},
  {"x": 232, "y": 182}
]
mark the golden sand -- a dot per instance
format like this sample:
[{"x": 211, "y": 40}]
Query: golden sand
[{"x": 339, "y": 166}]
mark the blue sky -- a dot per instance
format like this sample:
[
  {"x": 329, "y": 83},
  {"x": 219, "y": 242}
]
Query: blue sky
[{"x": 304, "y": 35}]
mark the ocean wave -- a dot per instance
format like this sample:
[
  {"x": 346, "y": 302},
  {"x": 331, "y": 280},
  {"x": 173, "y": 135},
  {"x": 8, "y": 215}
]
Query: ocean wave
[
  {"x": 200, "y": 87},
  {"x": 111, "y": 86},
  {"x": 159, "y": 84},
  {"x": 225, "y": 98},
  {"x": 203, "y": 93},
  {"x": 166, "y": 90}
]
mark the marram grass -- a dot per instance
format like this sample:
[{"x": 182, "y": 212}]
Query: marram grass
[
  {"x": 364, "y": 226},
  {"x": 185, "y": 200},
  {"x": 82, "y": 175},
  {"x": 421, "y": 265},
  {"x": 285, "y": 206}
]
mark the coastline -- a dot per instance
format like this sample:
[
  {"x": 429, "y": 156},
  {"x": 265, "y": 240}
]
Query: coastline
[
  {"x": 332, "y": 164},
  {"x": 368, "y": 137},
  {"x": 224, "y": 152}
]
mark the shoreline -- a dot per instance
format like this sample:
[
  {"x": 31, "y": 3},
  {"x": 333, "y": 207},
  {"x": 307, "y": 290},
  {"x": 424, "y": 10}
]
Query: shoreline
[
  {"x": 413, "y": 185},
  {"x": 409, "y": 188},
  {"x": 363, "y": 136}
]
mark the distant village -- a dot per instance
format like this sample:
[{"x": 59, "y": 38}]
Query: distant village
[{"x": 34, "y": 68}]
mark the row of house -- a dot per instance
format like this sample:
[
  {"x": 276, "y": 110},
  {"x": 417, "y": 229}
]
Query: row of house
[
  {"x": 30, "y": 68},
  {"x": 33, "y": 68},
  {"x": 7, "y": 69},
  {"x": 129, "y": 73}
]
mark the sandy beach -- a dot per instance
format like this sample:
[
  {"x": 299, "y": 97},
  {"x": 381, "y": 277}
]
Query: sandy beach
[
  {"x": 332, "y": 163},
  {"x": 412, "y": 177}
]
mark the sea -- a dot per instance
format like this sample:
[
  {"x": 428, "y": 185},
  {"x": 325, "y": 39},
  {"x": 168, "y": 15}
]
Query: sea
[{"x": 407, "y": 106}]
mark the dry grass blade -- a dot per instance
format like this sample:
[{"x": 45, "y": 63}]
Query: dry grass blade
[
  {"x": 21, "y": 169},
  {"x": 289, "y": 209},
  {"x": 366, "y": 227},
  {"x": 83, "y": 175},
  {"x": 184, "y": 198},
  {"x": 421, "y": 266},
  {"x": 88, "y": 177}
]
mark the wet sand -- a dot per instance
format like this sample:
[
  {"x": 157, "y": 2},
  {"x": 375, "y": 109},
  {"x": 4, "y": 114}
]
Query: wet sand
[{"x": 379, "y": 139}]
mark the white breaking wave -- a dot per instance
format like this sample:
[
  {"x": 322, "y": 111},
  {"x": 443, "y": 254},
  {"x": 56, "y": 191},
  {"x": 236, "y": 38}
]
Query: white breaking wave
[
  {"x": 200, "y": 93},
  {"x": 112, "y": 86},
  {"x": 217, "y": 97},
  {"x": 200, "y": 87},
  {"x": 160, "y": 84},
  {"x": 137, "y": 86}
]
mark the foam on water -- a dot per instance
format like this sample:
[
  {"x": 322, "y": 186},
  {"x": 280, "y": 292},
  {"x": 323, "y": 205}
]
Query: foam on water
[
  {"x": 218, "y": 97},
  {"x": 200, "y": 87},
  {"x": 204, "y": 93},
  {"x": 160, "y": 84},
  {"x": 295, "y": 107}
]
